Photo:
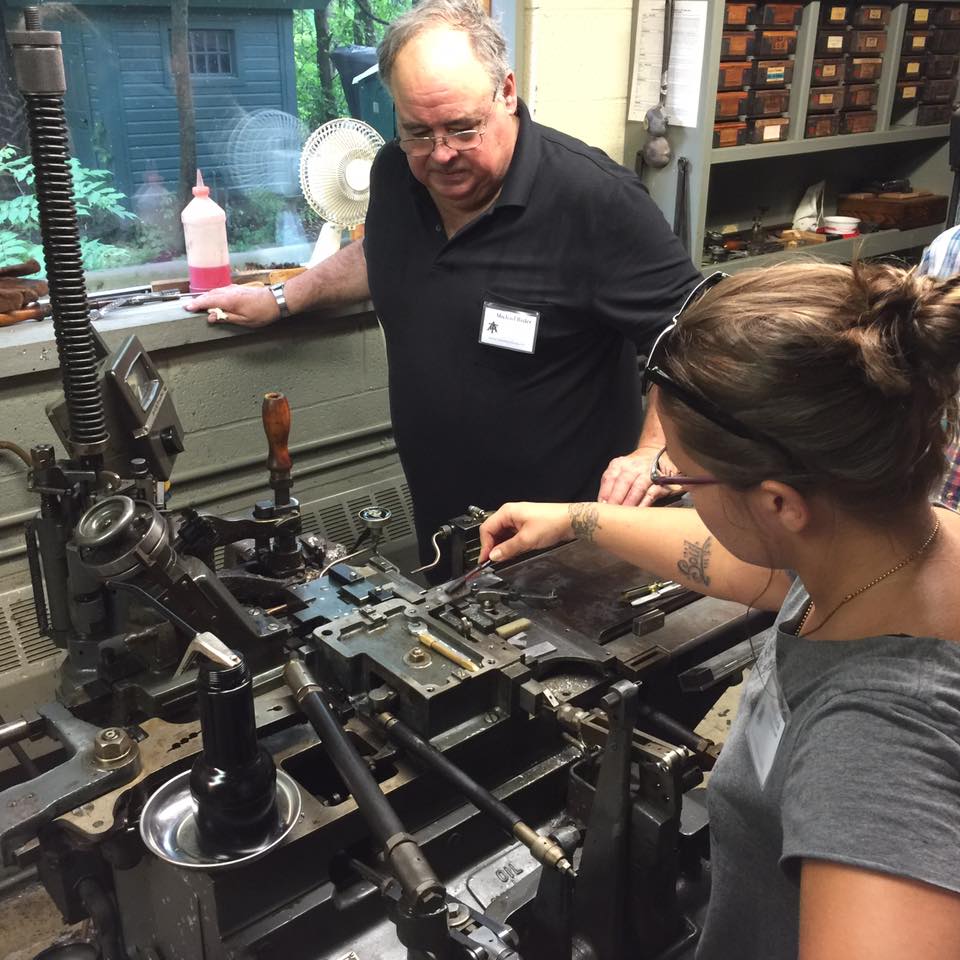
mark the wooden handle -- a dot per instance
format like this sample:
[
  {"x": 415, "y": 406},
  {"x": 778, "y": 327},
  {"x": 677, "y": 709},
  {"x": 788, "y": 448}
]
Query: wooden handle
[
  {"x": 276, "y": 425},
  {"x": 16, "y": 316},
  {"x": 20, "y": 269}
]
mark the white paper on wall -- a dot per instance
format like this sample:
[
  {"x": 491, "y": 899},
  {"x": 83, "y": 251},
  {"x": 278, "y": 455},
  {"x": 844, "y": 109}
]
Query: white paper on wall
[{"x": 686, "y": 60}]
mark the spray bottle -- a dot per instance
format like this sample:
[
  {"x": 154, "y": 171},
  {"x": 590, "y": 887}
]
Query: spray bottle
[{"x": 205, "y": 233}]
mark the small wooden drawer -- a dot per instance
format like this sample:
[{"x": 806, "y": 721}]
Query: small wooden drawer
[
  {"x": 916, "y": 42},
  {"x": 939, "y": 90},
  {"x": 864, "y": 69},
  {"x": 780, "y": 14},
  {"x": 770, "y": 130},
  {"x": 859, "y": 121},
  {"x": 947, "y": 17},
  {"x": 834, "y": 14},
  {"x": 919, "y": 15},
  {"x": 732, "y": 105},
  {"x": 737, "y": 44},
  {"x": 907, "y": 93},
  {"x": 871, "y": 16},
  {"x": 862, "y": 96},
  {"x": 912, "y": 68},
  {"x": 773, "y": 73},
  {"x": 930, "y": 114},
  {"x": 831, "y": 43},
  {"x": 944, "y": 41},
  {"x": 768, "y": 103},
  {"x": 729, "y": 134},
  {"x": 826, "y": 72},
  {"x": 941, "y": 65},
  {"x": 734, "y": 75},
  {"x": 825, "y": 99},
  {"x": 868, "y": 41},
  {"x": 776, "y": 43},
  {"x": 823, "y": 125},
  {"x": 739, "y": 14}
]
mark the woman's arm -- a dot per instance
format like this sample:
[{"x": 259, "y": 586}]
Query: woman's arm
[
  {"x": 670, "y": 543},
  {"x": 859, "y": 914}
]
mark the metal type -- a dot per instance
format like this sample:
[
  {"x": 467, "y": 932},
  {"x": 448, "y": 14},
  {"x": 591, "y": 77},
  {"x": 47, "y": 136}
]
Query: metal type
[{"x": 168, "y": 826}]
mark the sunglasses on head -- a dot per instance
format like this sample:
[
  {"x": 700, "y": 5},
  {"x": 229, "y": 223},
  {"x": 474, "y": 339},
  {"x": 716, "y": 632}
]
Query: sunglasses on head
[{"x": 655, "y": 372}]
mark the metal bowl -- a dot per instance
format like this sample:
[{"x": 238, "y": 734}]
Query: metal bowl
[{"x": 168, "y": 826}]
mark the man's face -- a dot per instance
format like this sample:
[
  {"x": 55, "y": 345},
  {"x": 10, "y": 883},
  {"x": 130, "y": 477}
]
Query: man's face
[{"x": 439, "y": 87}]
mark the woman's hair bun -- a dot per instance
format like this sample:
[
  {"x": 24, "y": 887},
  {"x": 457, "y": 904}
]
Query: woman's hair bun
[{"x": 907, "y": 329}]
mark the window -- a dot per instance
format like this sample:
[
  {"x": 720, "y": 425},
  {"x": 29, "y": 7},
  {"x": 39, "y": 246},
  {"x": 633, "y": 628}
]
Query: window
[{"x": 211, "y": 52}]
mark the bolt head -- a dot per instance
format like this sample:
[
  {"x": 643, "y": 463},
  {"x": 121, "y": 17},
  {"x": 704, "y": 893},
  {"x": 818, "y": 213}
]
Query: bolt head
[{"x": 112, "y": 744}]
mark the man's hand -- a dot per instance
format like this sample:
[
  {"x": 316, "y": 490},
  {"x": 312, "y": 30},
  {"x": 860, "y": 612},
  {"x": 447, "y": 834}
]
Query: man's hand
[
  {"x": 518, "y": 528},
  {"x": 627, "y": 479},
  {"x": 246, "y": 306}
]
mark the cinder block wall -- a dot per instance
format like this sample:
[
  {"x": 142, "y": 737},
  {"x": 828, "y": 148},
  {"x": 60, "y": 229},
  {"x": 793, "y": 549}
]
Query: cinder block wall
[{"x": 574, "y": 66}]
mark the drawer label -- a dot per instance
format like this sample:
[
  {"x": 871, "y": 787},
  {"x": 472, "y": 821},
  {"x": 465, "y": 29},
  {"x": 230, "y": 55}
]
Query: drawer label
[
  {"x": 875, "y": 13},
  {"x": 830, "y": 70},
  {"x": 838, "y": 13},
  {"x": 909, "y": 93},
  {"x": 771, "y": 133},
  {"x": 776, "y": 74},
  {"x": 871, "y": 42},
  {"x": 913, "y": 67},
  {"x": 826, "y": 99},
  {"x": 919, "y": 43},
  {"x": 835, "y": 42},
  {"x": 921, "y": 15}
]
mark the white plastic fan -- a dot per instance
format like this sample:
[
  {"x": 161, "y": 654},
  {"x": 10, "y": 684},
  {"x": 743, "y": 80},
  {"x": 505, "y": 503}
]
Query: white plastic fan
[
  {"x": 335, "y": 178},
  {"x": 263, "y": 152}
]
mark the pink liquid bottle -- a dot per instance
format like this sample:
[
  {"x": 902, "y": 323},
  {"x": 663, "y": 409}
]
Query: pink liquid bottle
[{"x": 205, "y": 233}]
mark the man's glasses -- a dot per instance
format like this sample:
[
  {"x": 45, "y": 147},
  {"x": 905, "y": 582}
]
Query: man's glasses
[
  {"x": 655, "y": 373},
  {"x": 461, "y": 141},
  {"x": 662, "y": 477}
]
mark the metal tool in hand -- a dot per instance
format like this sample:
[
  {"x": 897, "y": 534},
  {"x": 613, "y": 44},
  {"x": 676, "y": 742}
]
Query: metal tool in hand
[
  {"x": 513, "y": 593},
  {"x": 455, "y": 586}
]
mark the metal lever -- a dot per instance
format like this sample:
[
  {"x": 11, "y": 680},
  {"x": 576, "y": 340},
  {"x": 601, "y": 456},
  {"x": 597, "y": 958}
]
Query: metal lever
[{"x": 212, "y": 647}]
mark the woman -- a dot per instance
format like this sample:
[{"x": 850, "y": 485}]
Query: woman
[{"x": 806, "y": 409}]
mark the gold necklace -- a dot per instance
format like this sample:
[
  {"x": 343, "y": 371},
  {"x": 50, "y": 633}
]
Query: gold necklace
[{"x": 856, "y": 593}]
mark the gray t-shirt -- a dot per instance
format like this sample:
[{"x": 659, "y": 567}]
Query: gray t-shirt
[{"x": 866, "y": 772}]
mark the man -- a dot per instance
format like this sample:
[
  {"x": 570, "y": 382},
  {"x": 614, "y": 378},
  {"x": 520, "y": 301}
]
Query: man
[{"x": 515, "y": 271}]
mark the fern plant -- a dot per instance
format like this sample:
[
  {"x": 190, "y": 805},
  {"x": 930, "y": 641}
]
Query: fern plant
[{"x": 94, "y": 196}]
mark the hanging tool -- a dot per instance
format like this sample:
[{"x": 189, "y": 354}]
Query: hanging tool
[
  {"x": 681, "y": 212},
  {"x": 656, "y": 151}
]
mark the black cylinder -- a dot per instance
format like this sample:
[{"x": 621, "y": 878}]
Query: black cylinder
[
  {"x": 429, "y": 757},
  {"x": 234, "y": 780}
]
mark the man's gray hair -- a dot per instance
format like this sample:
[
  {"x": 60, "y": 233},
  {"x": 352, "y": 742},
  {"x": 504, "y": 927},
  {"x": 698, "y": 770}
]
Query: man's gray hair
[{"x": 486, "y": 38}]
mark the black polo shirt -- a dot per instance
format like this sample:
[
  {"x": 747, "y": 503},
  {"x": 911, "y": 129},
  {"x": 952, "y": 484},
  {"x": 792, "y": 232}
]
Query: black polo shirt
[{"x": 573, "y": 238}]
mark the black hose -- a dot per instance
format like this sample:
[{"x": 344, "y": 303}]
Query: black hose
[{"x": 432, "y": 759}]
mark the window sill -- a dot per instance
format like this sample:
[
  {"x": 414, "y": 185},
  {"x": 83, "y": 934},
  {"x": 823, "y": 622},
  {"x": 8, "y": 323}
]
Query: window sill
[{"x": 30, "y": 347}]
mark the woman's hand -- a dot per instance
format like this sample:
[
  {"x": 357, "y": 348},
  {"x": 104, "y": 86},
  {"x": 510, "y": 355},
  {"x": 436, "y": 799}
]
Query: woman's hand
[{"x": 518, "y": 528}]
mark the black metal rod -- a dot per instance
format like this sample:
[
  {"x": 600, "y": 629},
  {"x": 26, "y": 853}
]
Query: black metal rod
[
  {"x": 423, "y": 893},
  {"x": 376, "y": 809},
  {"x": 428, "y": 756}
]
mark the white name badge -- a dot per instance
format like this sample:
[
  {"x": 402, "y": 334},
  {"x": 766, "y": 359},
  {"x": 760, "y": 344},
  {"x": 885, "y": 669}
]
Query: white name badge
[
  {"x": 509, "y": 328},
  {"x": 765, "y": 728}
]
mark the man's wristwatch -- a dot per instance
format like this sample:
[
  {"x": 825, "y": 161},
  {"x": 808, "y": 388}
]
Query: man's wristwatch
[{"x": 277, "y": 290}]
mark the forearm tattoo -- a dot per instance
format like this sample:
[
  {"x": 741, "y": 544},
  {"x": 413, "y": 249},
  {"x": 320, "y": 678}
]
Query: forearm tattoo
[
  {"x": 695, "y": 560},
  {"x": 584, "y": 520}
]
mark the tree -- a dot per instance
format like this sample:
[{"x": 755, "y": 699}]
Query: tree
[{"x": 180, "y": 64}]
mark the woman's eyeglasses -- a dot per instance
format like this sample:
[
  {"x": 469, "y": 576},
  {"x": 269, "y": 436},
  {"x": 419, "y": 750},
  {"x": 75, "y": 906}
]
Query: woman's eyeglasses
[
  {"x": 661, "y": 477},
  {"x": 655, "y": 373}
]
